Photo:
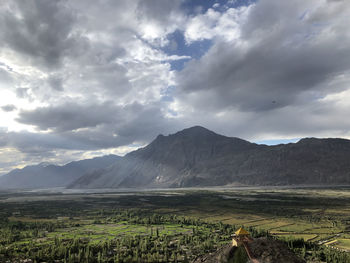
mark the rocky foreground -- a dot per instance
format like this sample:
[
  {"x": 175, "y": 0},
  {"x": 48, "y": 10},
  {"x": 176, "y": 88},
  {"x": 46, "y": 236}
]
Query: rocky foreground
[{"x": 262, "y": 249}]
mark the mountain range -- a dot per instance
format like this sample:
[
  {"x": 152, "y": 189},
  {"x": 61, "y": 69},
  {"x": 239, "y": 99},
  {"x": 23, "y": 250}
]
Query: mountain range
[
  {"x": 48, "y": 175},
  {"x": 197, "y": 157}
]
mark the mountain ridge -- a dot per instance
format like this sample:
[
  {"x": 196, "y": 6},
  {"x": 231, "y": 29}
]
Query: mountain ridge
[
  {"x": 45, "y": 175},
  {"x": 197, "y": 156}
]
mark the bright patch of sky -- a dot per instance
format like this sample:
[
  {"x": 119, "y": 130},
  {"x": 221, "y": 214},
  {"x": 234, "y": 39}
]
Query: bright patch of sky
[
  {"x": 177, "y": 43},
  {"x": 178, "y": 46},
  {"x": 276, "y": 142},
  {"x": 195, "y": 7}
]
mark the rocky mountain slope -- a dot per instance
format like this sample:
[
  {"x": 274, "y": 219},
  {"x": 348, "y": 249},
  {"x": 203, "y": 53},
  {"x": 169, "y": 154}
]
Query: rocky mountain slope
[
  {"x": 48, "y": 175},
  {"x": 262, "y": 249},
  {"x": 199, "y": 157}
]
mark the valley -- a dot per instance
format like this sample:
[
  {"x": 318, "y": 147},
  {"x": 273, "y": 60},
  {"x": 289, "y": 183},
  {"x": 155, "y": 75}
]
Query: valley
[{"x": 176, "y": 225}]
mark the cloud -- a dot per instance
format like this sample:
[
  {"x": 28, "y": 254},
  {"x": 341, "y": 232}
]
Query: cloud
[
  {"x": 160, "y": 11},
  {"x": 214, "y": 24},
  {"x": 8, "y": 108},
  {"x": 96, "y": 60},
  {"x": 104, "y": 125},
  {"x": 69, "y": 116},
  {"x": 107, "y": 132},
  {"x": 78, "y": 130},
  {"x": 23, "y": 93},
  {"x": 89, "y": 76},
  {"x": 39, "y": 30},
  {"x": 277, "y": 60},
  {"x": 5, "y": 76},
  {"x": 84, "y": 80},
  {"x": 158, "y": 19},
  {"x": 56, "y": 82},
  {"x": 284, "y": 75}
]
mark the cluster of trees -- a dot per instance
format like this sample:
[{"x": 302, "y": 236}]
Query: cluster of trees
[
  {"x": 312, "y": 251},
  {"x": 13, "y": 231}
]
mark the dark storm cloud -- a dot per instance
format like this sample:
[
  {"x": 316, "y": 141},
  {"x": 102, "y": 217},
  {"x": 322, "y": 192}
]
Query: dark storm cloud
[
  {"x": 36, "y": 143},
  {"x": 279, "y": 60},
  {"x": 40, "y": 30},
  {"x": 145, "y": 122},
  {"x": 8, "y": 108},
  {"x": 70, "y": 116},
  {"x": 43, "y": 143},
  {"x": 108, "y": 125}
]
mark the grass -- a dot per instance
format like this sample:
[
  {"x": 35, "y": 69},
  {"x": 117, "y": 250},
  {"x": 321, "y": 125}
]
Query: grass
[
  {"x": 99, "y": 232},
  {"x": 343, "y": 243}
]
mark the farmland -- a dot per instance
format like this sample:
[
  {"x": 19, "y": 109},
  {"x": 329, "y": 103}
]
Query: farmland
[{"x": 172, "y": 225}]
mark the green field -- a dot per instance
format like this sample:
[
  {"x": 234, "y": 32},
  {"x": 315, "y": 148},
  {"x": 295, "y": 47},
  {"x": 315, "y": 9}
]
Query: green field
[{"x": 168, "y": 225}]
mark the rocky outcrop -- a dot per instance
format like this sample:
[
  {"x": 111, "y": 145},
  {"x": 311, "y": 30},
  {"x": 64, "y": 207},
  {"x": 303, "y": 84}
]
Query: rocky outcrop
[
  {"x": 263, "y": 250},
  {"x": 272, "y": 251}
]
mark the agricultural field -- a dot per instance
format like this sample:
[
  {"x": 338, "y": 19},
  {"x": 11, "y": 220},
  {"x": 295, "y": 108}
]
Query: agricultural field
[{"x": 172, "y": 225}]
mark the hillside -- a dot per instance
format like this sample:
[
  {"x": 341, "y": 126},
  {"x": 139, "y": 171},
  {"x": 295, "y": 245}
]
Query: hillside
[
  {"x": 199, "y": 157},
  {"x": 49, "y": 175}
]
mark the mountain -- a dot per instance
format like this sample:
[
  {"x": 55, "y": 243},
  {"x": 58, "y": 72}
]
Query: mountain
[
  {"x": 48, "y": 175},
  {"x": 200, "y": 157}
]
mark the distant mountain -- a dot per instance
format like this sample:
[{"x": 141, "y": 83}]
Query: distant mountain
[
  {"x": 48, "y": 175},
  {"x": 200, "y": 157}
]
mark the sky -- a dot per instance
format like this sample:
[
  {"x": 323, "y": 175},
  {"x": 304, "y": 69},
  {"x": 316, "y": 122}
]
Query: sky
[{"x": 85, "y": 78}]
